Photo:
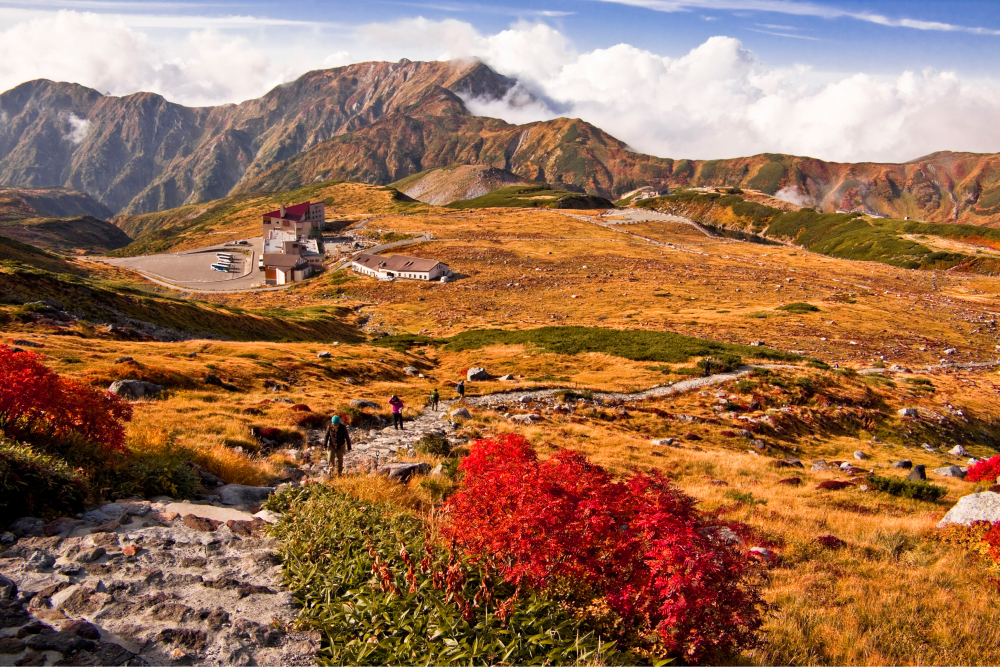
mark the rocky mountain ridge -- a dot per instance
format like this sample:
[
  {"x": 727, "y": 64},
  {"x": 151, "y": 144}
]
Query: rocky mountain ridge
[{"x": 380, "y": 122}]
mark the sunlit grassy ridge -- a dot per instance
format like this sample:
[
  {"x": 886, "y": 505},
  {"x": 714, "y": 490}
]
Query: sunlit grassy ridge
[
  {"x": 842, "y": 235},
  {"x": 533, "y": 196},
  {"x": 662, "y": 346}
]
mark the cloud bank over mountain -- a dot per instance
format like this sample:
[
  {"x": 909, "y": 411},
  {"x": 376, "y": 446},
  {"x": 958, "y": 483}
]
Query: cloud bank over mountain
[{"x": 718, "y": 100}]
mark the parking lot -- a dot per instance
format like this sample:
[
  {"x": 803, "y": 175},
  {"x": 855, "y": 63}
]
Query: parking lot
[{"x": 192, "y": 269}]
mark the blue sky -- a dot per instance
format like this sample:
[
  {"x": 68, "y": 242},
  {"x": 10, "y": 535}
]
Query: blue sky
[{"x": 681, "y": 78}]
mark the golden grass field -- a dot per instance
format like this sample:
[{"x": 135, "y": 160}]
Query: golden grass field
[{"x": 893, "y": 595}]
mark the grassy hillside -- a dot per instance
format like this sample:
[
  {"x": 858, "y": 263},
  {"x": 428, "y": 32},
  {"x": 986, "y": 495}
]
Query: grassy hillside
[
  {"x": 456, "y": 182},
  {"x": 238, "y": 216},
  {"x": 87, "y": 234},
  {"x": 843, "y": 235},
  {"x": 48, "y": 202},
  {"x": 534, "y": 196}
]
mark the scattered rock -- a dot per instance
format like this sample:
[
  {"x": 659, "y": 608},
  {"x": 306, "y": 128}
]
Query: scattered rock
[
  {"x": 124, "y": 360},
  {"x": 135, "y": 389},
  {"x": 763, "y": 554},
  {"x": 820, "y": 464},
  {"x": 904, "y": 464},
  {"x": 918, "y": 474},
  {"x": 361, "y": 404},
  {"x": 61, "y": 642},
  {"x": 410, "y": 370},
  {"x": 860, "y": 455},
  {"x": 951, "y": 471},
  {"x": 508, "y": 378},
  {"x": 460, "y": 413},
  {"x": 200, "y": 523},
  {"x": 477, "y": 374},
  {"x": 8, "y": 589},
  {"x": 791, "y": 481},
  {"x": 983, "y": 506},
  {"x": 83, "y": 629},
  {"x": 692, "y": 436},
  {"x": 722, "y": 534},
  {"x": 402, "y": 472},
  {"x": 324, "y": 355},
  {"x": 908, "y": 412},
  {"x": 26, "y": 526},
  {"x": 525, "y": 419},
  {"x": 215, "y": 381},
  {"x": 238, "y": 494},
  {"x": 90, "y": 555},
  {"x": 958, "y": 450}
]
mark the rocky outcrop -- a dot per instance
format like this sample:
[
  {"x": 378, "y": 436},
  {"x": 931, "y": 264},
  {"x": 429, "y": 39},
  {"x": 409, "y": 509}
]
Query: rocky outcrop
[
  {"x": 135, "y": 389},
  {"x": 983, "y": 506},
  {"x": 160, "y": 583}
]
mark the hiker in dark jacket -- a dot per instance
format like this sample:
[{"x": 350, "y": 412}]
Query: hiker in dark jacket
[
  {"x": 460, "y": 388},
  {"x": 435, "y": 397},
  {"x": 397, "y": 412},
  {"x": 339, "y": 442}
]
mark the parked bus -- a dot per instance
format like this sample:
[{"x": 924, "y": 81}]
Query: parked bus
[{"x": 221, "y": 267}]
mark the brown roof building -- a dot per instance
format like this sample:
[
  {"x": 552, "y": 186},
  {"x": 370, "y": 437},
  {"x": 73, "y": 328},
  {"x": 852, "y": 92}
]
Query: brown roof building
[{"x": 400, "y": 266}]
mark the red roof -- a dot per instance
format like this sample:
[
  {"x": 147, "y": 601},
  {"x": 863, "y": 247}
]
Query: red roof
[{"x": 295, "y": 212}]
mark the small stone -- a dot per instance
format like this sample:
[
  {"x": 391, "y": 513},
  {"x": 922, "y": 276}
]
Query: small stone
[
  {"x": 200, "y": 523},
  {"x": 8, "y": 589},
  {"x": 324, "y": 355},
  {"x": 10, "y": 646},
  {"x": 82, "y": 628},
  {"x": 460, "y": 413},
  {"x": 130, "y": 550},
  {"x": 164, "y": 517},
  {"x": 908, "y": 412},
  {"x": 904, "y": 464},
  {"x": 178, "y": 654},
  {"x": 61, "y": 642},
  {"x": 90, "y": 555},
  {"x": 860, "y": 455},
  {"x": 958, "y": 450},
  {"x": 26, "y": 527}
]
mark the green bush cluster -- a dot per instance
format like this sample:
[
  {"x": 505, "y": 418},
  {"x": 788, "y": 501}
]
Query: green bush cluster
[
  {"x": 904, "y": 488},
  {"x": 344, "y": 561},
  {"x": 36, "y": 484},
  {"x": 434, "y": 444},
  {"x": 799, "y": 308}
]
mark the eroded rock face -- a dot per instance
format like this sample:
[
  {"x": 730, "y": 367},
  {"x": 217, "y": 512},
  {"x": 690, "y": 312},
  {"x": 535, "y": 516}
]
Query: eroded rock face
[{"x": 161, "y": 588}]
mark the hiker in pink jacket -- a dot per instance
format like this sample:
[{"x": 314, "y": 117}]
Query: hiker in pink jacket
[{"x": 397, "y": 412}]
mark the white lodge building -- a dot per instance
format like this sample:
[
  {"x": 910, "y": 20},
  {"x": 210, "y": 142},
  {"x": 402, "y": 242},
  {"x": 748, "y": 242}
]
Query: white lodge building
[{"x": 400, "y": 266}]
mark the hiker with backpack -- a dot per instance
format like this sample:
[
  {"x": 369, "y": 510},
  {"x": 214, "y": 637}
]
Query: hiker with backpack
[
  {"x": 460, "y": 388},
  {"x": 339, "y": 442},
  {"x": 435, "y": 397}
]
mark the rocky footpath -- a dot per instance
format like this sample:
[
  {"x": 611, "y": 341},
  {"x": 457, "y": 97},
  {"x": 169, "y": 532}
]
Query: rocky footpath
[{"x": 148, "y": 583}]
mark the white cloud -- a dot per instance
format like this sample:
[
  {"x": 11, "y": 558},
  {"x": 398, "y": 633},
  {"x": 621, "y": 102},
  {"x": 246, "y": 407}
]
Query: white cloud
[
  {"x": 78, "y": 128},
  {"x": 719, "y": 100},
  {"x": 716, "y": 101},
  {"x": 104, "y": 53}
]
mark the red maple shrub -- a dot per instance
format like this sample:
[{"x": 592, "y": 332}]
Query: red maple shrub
[
  {"x": 984, "y": 471},
  {"x": 633, "y": 556},
  {"x": 36, "y": 400}
]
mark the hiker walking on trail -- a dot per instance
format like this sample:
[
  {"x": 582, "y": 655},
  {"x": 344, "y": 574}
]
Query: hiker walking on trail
[
  {"x": 460, "y": 388},
  {"x": 397, "y": 412},
  {"x": 339, "y": 442},
  {"x": 435, "y": 397}
]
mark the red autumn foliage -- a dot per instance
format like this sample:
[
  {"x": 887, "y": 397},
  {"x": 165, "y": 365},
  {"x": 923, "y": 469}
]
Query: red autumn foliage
[
  {"x": 833, "y": 485},
  {"x": 984, "y": 471},
  {"x": 831, "y": 542},
  {"x": 36, "y": 400},
  {"x": 637, "y": 546}
]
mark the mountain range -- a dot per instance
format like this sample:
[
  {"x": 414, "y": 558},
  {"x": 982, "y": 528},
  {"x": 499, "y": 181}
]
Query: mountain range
[{"x": 380, "y": 122}]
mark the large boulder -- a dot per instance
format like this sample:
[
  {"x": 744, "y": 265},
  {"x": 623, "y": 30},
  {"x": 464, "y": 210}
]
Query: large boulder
[
  {"x": 27, "y": 526},
  {"x": 135, "y": 389},
  {"x": 951, "y": 471},
  {"x": 460, "y": 413},
  {"x": 479, "y": 374},
  {"x": 918, "y": 474},
  {"x": 239, "y": 494},
  {"x": 983, "y": 506},
  {"x": 958, "y": 450},
  {"x": 361, "y": 404},
  {"x": 402, "y": 472}
]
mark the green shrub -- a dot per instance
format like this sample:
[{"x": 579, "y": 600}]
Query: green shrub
[
  {"x": 722, "y": 363},
  {"x": 745, "y": 498},
  {"x": 434, "y": 444},
  {"x": 799, "y": 308},
  {"x": 37, "y": 484},
  {"x": 388, "y": 610},
  {"x": 904, "y": 488}
]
